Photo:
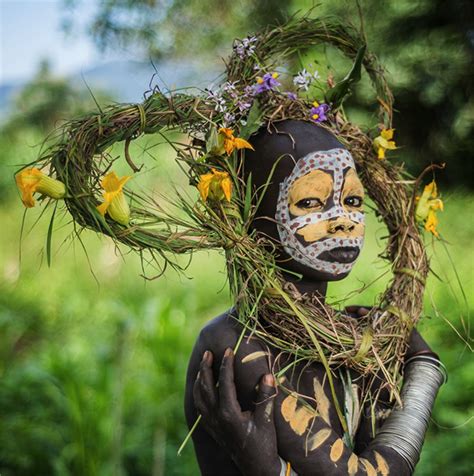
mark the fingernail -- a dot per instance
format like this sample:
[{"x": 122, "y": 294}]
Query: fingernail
[
  {"x": 205, "y": 356},
  {"x": 269, "y": 380},
  {"x": 227, "y": 352}
]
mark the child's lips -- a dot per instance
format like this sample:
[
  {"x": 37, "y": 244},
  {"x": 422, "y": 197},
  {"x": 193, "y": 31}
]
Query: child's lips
[{"x": 343, "y": 254}]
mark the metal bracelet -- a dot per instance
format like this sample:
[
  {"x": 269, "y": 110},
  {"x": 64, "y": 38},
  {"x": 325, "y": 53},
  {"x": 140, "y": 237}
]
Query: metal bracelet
[
  {"x": 405, "y": 428},
  {"x": 440, "y": 365}
]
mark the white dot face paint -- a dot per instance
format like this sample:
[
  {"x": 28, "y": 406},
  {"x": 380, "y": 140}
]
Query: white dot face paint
[{"x": 335, "y": 162}]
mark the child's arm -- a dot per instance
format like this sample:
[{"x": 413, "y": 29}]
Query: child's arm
[{"x": 252, "y": 363}]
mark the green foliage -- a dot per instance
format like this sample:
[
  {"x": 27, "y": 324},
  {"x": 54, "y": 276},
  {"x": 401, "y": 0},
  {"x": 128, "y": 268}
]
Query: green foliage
[
  {"x": 427, "y": 49},
  {"x": 425, "y": 44},
  {"x": 92, "y": 378},
  {"x": 40, "y": 107},
  {"x": 92, "y": 375},
  {"x": 46, "y": 101},
  {"x": 336, "y": 95},
  {"x": 184, "y": 27}
]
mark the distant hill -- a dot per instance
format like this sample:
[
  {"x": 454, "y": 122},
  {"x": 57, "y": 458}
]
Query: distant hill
[
  {"x": 127, "y": 81},
  {"x": 7, "y": 93}
]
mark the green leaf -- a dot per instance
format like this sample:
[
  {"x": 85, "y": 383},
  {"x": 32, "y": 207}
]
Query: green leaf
[
  {"x": 214, "y": 143},
  {"x": 254, "y": 121},
  {"x": 248, "y": 198},
  {"x": 336, "y": 95},
  {"x": 231, "y": 212},
  {"x": 49, "y": 236}
]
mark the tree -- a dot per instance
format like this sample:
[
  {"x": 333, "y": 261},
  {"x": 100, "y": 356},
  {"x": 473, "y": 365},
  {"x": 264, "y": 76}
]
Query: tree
[
  {"x": 176, "y": 27},
  {"x": 47, "y": 100},
  {"x": 426, "y": 45}
]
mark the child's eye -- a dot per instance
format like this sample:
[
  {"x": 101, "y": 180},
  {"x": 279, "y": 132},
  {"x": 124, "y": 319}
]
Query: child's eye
[
  {"x": 309, "y": 203},
  {"x": 353, "y": 201}
]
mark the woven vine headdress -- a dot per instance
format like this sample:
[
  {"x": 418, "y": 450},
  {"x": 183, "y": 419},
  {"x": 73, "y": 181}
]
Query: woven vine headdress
[{"x": 219, "y": 125}]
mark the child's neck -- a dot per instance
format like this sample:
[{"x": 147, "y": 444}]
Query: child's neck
[{"x": 309, "y": 287}]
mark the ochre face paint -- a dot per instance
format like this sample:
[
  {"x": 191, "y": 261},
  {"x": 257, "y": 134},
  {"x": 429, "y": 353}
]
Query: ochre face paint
[{"x": 313, "y": 215}]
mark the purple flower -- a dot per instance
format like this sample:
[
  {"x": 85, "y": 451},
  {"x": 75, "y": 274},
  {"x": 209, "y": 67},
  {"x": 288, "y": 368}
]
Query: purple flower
[
  {"x": 318, "y": 112},
  {"x": 249, "y": 91},
  {"x": 292, "y": 95},
  {"x": 267, "y": 83},
  {"x": 243, "y": 104}
]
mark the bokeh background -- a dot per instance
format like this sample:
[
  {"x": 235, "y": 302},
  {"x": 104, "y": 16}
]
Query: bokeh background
[{"x": 93, "y": 355}]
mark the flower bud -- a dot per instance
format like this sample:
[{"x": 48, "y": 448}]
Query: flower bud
[{"x": 119, "y": 210}]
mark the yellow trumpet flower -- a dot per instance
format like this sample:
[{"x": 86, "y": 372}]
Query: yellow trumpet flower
[
  {"x": 115, "y": 203},
  {"x": 231, "y": 142},
  {"x": 32, "y": 180},
  {"x": 428, "y": 204},
  {"x": 384, "y": 142},
  {"x": 217, "y": 185}
]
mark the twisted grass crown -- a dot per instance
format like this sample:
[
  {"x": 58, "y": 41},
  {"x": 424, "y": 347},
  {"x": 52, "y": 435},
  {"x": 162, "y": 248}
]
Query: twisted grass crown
[{"x": 220, "y": 125}]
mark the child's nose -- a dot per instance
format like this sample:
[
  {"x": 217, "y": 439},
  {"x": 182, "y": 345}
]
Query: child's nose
[{"x": 340, "y": 224}]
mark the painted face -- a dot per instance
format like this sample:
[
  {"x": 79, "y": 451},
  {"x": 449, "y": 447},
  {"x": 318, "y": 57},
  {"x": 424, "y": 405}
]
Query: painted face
[{"x": 319, "y": 212}]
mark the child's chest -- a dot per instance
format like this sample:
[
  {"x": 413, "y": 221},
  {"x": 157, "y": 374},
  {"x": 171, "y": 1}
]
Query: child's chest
[
  {"x": 304, "y": 389},
  {"x": 305, "y": 396}
]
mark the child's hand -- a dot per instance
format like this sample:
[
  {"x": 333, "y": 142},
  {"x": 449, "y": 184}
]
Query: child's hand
[{"x": 249, "y": 437}]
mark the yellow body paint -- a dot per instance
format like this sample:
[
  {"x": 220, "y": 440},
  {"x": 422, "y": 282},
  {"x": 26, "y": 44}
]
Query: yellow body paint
[
  {"x": 336, "y": 450},
  {"x": 319, "y": 438},
  {"x": 322, "y": 401},
  {"x": 288, "y": 406},
  {"x": 316, "y": 184},
  {"x": 382, "y": 465},
  {"x": 319, "y": 184},
  {"x": 298, "y": 416},
  {"x": 352, "y": 465},
  {"x": 253, "y": 356},
  {"x": 352, "y": 185},
  {"x": 370, "y": 470}
]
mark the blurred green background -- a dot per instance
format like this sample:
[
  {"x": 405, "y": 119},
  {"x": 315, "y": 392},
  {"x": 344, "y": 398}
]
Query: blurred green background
[{"x": 93, "y": 356}]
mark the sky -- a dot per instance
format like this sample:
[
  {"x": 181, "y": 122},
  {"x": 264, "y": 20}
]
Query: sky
[{"x": 30, "y": 30}]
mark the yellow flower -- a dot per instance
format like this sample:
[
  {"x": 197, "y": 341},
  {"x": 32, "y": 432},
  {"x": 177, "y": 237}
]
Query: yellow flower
[
  {"x": 216, "y": 185},
  {"x": 32, "y": 180},
  {"x": 428, "y": 204},
  {"x": 384, "y": 142},
  {"x": 231, "y": 142},
  {"x": 115, "y": 203}
]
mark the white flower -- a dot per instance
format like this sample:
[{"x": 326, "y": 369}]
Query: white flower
[
  {"x": 229, "y": 87},
  {"x": 218, "y": 100},
  {"x": 221, "y": 106},
  {"x": 246, "y": 47},
  {"x": 228, "y": 118},
  {"x": 304, "y": 79}
]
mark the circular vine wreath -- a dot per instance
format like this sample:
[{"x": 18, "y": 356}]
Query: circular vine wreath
[{"x": 286, "y": 320}]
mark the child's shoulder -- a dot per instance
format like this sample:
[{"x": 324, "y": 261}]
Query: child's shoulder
[{"x": 225, "y": 331}]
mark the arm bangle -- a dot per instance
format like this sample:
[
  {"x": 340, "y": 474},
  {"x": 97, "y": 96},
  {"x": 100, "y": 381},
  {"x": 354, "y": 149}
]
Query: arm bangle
[{"x": 404, "y": 430}]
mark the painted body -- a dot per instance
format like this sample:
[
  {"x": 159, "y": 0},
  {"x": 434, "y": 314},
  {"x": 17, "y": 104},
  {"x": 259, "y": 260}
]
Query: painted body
[
  {"x": 309, "y": 433},
  {"x": 312, "y": 210}
]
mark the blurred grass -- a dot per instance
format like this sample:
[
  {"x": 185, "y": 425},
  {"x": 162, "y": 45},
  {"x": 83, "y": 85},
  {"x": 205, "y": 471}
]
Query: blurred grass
[{"x": 92, "y": 366}]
